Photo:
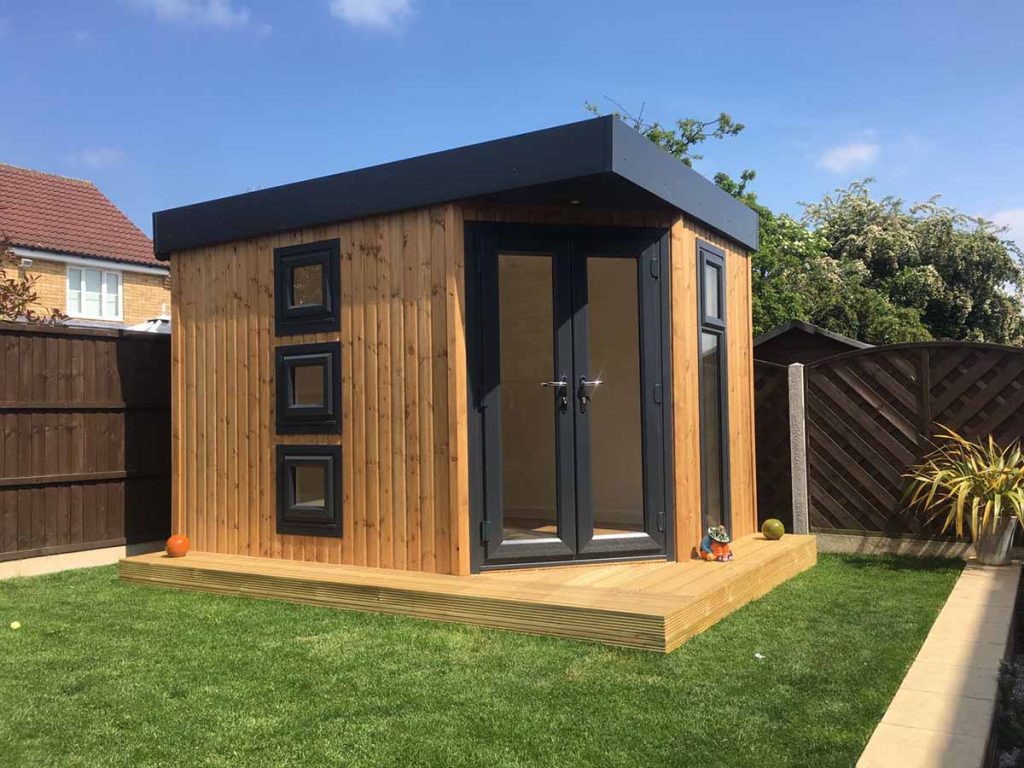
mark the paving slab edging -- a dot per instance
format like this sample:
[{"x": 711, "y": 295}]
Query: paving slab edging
[
  {"x": 86, "y": 558},
  {"x": 942, "y": 714}
]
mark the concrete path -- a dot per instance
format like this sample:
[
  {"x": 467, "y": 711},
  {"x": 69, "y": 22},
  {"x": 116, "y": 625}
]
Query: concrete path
[
  {"x": 941, "y": 716},
  {"x": 89, "y": 558}
]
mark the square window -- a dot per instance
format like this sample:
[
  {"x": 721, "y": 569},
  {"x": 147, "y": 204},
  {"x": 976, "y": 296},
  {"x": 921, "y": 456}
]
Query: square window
[
  {"x": 307, "y": 288},
  {"x": 307, "y": 285},
  {"x": 94, "y": 294},
  {"x": 308, "y": 388},
  {"x": 310, "y": 483},
  {"x": 309, "y": 490}
]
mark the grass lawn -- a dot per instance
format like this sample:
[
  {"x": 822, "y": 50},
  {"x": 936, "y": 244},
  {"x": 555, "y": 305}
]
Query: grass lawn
[{"x": 109, "y": 674}]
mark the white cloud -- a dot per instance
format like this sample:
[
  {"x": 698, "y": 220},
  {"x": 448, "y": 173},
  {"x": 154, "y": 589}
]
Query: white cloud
[
  {"x": 376, "y": 14},
  {"x": 849, "y": 157},
  {"x": 98, "y": 158},
  {"x": 1013, "y": 220},
  {"x": 224, "y": 14}
]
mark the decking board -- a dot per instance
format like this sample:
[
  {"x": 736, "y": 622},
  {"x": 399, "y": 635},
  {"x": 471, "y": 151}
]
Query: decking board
[{"x": 622, "y": 604}]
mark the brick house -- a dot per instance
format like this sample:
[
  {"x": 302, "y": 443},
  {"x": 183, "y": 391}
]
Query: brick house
[{"x": 93, "y": 263}]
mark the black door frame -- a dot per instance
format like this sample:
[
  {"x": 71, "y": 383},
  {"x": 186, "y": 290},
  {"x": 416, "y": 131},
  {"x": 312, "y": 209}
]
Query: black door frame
[{"x": 652, "y": 246}]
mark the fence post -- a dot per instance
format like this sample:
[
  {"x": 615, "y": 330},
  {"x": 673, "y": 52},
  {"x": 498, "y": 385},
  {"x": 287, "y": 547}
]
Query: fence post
[{"x": 798, "y": 448}]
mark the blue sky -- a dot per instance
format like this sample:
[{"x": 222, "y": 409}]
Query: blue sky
[{"x": 167, "y": 102}]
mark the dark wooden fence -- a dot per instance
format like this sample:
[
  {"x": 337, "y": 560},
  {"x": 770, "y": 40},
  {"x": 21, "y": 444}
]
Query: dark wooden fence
[
  {"x": 84, "y": 439},
  {"x": 872, "y": 413}
]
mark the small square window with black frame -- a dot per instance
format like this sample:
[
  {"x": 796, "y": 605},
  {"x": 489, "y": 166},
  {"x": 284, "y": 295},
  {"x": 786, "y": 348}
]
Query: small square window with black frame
[
  {"x": 307, "y": 288},
  {"x": 308, "y": 388},
  {"x": 309, "y": 490}
]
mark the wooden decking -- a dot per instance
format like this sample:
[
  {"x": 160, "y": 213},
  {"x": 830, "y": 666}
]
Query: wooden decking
[{"x": 651, "y": 605}]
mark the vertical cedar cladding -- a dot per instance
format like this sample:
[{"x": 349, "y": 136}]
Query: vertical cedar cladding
[{"x": 402, "y": 480}]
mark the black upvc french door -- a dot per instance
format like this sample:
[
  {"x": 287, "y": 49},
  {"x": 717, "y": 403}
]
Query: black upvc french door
[{"x": 567, "y": 374}]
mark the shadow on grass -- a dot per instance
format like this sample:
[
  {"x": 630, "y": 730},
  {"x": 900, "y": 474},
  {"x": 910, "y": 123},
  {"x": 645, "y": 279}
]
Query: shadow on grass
[{"x": 903, "y": 562}]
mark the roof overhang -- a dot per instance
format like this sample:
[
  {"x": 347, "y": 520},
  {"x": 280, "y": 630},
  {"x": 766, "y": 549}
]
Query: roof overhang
[{"x": 597, "y": 163}]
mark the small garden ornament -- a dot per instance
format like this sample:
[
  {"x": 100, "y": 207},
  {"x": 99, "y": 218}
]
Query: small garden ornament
[{"x": 715, "y": 545}]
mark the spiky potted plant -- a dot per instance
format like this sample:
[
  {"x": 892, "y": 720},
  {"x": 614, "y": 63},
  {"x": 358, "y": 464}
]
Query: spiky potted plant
[{"x": 975, "y": 484}]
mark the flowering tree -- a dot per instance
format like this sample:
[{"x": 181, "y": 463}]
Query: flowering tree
[{"x": 18, "y": 293}]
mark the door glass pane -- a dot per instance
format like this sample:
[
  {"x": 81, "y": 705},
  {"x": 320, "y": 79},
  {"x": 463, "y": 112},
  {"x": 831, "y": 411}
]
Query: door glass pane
[
  {"x": 616, "y": 440},
  {"x": 308, "y": 385},
  {"x": 307, "y": 285},
  {"x": 711, "y": 291},
  {"x": 528, "y": 410},
  {"x": 92, "y": 292},
  {"x": 310, "y": 482},
  {"x": 711, "y": 428}
]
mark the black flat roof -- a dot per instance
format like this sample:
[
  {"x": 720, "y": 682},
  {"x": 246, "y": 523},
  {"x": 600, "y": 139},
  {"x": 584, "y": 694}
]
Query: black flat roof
[{"x": 596, "y": 163}]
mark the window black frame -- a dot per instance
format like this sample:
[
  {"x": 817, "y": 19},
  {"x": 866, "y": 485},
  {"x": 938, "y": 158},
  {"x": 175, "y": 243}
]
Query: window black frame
[
  {"x": 309, "y": 318},
  {"x": 709, "y": 255},
  {"x": 299, "y": 420},
  {"x": 712, "y": 257},
  {"x": 304, "y": 520}
]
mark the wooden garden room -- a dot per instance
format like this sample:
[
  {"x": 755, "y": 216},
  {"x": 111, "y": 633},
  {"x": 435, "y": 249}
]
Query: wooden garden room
[{"x": 508, "y": 384}]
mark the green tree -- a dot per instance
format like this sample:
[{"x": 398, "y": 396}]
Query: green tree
[{"x": 954, "y": 270}]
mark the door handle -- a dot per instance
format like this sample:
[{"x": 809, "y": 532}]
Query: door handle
[
  {"x": 563, "y": 392},
  {"x": 585, "y": 391}
]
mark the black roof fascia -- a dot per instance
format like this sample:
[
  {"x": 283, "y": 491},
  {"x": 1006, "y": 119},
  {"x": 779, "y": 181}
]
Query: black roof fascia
[
  {"x": 595, "y": 147},
  {"x": 645, "y": 164}
]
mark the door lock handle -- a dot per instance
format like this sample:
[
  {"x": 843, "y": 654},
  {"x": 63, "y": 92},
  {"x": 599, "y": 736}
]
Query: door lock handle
[
  {"x": 563, "y": 392},
  {"x": 585, "y": 391}
]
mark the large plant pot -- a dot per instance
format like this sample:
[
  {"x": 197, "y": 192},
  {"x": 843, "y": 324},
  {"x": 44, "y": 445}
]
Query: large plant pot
[{"x": 993, "y": 544}]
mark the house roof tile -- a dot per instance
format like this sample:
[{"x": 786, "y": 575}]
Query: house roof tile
[{"x": 56, "y": 213}]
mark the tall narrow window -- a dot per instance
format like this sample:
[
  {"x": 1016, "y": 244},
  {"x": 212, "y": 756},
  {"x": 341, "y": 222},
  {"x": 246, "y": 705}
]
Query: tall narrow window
[{"x": 714, "y": 403}]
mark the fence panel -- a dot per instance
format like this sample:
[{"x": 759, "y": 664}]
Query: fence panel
[
  {"x": 84, "y": 439},
  {"x": 872, "y": 413}
]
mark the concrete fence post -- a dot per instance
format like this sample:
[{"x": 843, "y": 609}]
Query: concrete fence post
[{"x": 798, "y": 448}]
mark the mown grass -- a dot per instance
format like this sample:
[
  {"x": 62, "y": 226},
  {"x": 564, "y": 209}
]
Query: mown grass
[{"x": 108, "y": 674}]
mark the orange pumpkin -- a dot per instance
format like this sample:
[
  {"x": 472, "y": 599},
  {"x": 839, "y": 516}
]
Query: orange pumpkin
[{"x": 177, "y": 546}]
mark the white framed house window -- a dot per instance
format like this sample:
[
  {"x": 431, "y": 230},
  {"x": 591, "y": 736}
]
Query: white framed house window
[{"x": 94, "y": 294}]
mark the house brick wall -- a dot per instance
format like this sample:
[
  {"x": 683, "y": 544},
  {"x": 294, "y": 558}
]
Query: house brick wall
[{"x": 144, "y": 295}]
